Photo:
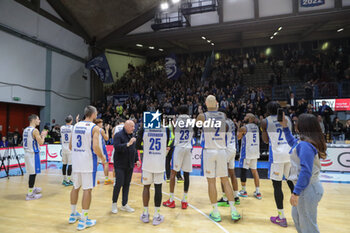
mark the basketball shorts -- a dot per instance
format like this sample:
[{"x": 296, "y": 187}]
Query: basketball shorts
[
  {"x": 149, "y": 178},
  {"x": 85, "y": 180},
  {"x": 249, "y": 163},
  {"x": 67, "y": 157},
  {"x": 215, "y": 163},
  {"x": 32, "y": 162},
  {"x": 278, "y": 170},
  {"x": 231, "y": 157},
  {"x": 182, "y": 159}
]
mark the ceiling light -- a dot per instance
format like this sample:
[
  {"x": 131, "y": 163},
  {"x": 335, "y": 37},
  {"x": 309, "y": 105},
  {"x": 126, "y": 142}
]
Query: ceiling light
[
  {"x": 203, "y": 38},
  {"x": 161, "y": 50},
  {"x": 271, "y": 37},
  {"x": 280, "y": 28},
  {"x": 212, "y": 44},
  {"x": 208, "y": 41},
  {"x": 164, "y": 6},
  {"x": 151, "y": 47},
  {"x": 275, "y": 33},
  {"x": 175, "y": 1},
  {"x": 139, "y": 45},
  {"x": 340, "y": 29}
]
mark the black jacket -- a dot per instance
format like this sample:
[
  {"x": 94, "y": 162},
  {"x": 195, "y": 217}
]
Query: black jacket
[{"x": 124, "y": 157}]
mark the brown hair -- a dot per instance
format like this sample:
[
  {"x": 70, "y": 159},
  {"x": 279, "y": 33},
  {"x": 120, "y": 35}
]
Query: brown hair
[
  {"x": 310, "y": 131},
  {"x": 98, "y": 121}
]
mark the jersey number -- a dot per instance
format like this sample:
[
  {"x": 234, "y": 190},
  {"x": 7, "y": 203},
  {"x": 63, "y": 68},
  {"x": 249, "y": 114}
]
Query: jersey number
[
  {"x": 254, "y": 137},
  {"x": 25, "y": 142},
  {"x": 217, "y": 132},
  {"x": 66, "y": 137},
  {"x": 79, "y": 141},
  {"x": 280, "y": 138},
  {"x": 155, "y": 144},
  {"x": 185, "y": 134}
]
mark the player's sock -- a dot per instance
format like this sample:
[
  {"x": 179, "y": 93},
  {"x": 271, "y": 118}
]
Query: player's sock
[
  {"x": 257, "y": 190},
  {"x": 232, "y": 206},
  {"x": 156, "y": 211},
  {"x": 171, "y": 197},
  {"x": 30, "y": 191},
  {"x": 184, "y": 199},
  {"x": 243, "y": 188},
  {"x": 73, "y": 208},
  {"x": 281, "y": 213},
  {"x": 84, "y": 214},
  {"x": 236, "y": 193},
  {"x": 215, "y": 208},
  {"x": 224, "y": 197},
  {"x": 64, "y": 177},
  {"x": 68, "y": 178},
  {"x": 145, "y": 210}
]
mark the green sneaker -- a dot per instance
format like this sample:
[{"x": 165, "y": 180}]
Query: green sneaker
[
  {"x": 235, "y": 215},
  {"x": 237, "y": 201},
  {"x": 64, "y": 182},
  {"x": 215, "y": 216}
]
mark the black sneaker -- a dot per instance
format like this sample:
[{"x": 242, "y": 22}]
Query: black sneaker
[
  {"x": 223, "y": 203},
  {"x": 237, "y": 201}
]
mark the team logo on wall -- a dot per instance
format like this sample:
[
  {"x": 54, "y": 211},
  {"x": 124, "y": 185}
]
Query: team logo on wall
[
  {"x": 326, "y": 162},
  {"x": 151, "y": 120}
]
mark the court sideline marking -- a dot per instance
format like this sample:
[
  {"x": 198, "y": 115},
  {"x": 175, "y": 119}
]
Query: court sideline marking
[{"x": 193, "y": 207}]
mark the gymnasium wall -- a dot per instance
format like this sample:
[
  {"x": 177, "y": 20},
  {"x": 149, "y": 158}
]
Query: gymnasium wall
[{"x": 25, "y": 63}]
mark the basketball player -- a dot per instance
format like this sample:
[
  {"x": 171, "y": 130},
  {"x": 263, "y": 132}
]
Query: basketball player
[
  {"x": 31, "y": 141},
  {"x": 250, "y": 152},
  {"x": 231, "y": 156},
  {"x": 104, "y": 136},
  {"x": 85, "y": 148},
  {"x": 66, "y": 135},
  {"x": 214, "y": 157},
  {"x": 182, "y": 156},
  {"x": 272, "y": 133},
  {"x": 155, "y": 148}
]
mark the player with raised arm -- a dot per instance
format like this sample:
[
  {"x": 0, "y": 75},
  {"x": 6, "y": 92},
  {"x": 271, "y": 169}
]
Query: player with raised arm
[
  {"x": 85, "y": 148},
  {"x": 214, "y": 157},
  {"x": 250, "y": 152},
  {"x": 182, "y": 156},
  {"x": 279, "y": 158},
  {"x": 32, "y": 139}
]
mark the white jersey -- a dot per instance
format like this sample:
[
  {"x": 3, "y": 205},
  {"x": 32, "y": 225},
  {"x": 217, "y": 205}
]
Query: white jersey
[
  {"x": 231, "y": 134},
  {"x": 117, "y": 129},
  {"x": 66, "y": 135},
  {"x": 154, "y": 150},
  {"x": 102, "y": 143},
  {"x": 214, "y": 137},
  {"x": 250, "y": 148},
  {"x": 29, "y": 142},
  {"x": 279, "y": 148},
  {"x": 183, "y": 132},
  {"x": 83, "y": 158}
]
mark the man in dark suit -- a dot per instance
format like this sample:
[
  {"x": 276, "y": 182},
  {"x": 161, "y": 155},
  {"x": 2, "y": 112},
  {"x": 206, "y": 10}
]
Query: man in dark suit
[
  {"x": 125, "y": 157},
  {"x": 325, "y": 111},
  {"x": 292, "y": 101}
]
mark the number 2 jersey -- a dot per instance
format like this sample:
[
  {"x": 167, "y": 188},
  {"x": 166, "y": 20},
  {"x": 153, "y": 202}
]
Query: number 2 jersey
[
  {"x": 183, "y": 132},
  {"x": 66, "y": 135},
  {"x": 29, "y": 142},
  {"x": 83, "y": 157},
  {"x": 214, "y": 137},
  {"x": 250, "y": 147},
  {"x": 154, "y": 150},
  {"x": 278, "y": 145}
]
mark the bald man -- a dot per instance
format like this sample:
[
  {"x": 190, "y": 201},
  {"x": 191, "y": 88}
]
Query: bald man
[
  {"x": 125, "y": 157},
  {"x": 250, "y": 152},
  {"x": 213, "y": 141}
]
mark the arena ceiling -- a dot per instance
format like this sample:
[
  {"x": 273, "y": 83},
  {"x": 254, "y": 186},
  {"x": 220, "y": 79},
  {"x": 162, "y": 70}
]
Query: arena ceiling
[{"x": 106, "y": 23}]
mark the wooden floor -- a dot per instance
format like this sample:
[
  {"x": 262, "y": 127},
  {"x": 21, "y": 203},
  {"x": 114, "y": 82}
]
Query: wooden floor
[{"x": 50, "y": 213}]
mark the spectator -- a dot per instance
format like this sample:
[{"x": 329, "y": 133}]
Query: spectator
[
  {"x": 337, "y": 129},
  {"x": 292, "y": 101},
  {"x": 16, "y": 140},
  {"x": 325, "y": 111},
  {"x": 320, "y": 120},
  {"x": 4, "y": 143},
  {"x": 347, "y": 130}
]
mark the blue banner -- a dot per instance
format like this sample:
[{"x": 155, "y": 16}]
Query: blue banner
[
  {"x": 311, "y": 3},
  {"x": 208, "y": 66},
  {"x": 100, "y": 65},
  {"x": 171, "y": 68}
]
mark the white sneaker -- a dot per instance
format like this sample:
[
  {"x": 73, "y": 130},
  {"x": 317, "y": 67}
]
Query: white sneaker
[
  {"x": 114, "y": 208},
  {"x": 127, "y": 208}
]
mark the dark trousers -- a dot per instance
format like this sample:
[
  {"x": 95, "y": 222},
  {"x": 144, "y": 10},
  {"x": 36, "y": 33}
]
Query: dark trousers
[{"x": 122, "y": 179}]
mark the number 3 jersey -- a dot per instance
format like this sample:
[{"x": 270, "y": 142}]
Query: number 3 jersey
[
  {"x": 83, "y": 158},
  {"x": 250, "y": 148},
  {"x": 183, "y": 132},
  {"x": 279, "y": 148},
  {"x": 154, "y": 150},
  {"x": 66, "y": 135}
]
